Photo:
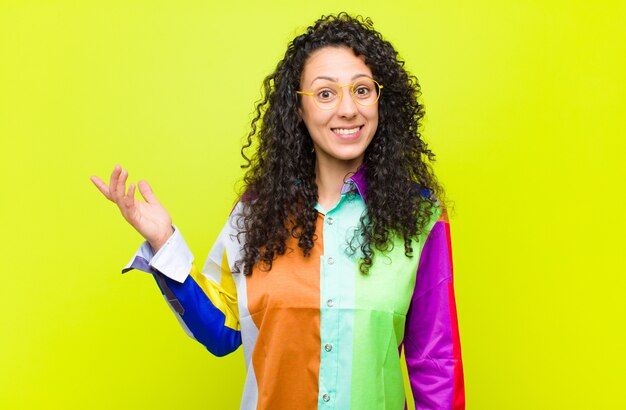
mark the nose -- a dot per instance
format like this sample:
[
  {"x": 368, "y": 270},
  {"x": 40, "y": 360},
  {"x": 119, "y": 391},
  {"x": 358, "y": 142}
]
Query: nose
[{"x": 347, "y": 107}]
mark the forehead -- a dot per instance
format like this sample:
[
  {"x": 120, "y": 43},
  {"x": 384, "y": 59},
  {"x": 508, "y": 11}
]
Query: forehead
[{"x": 334, "y": 62}]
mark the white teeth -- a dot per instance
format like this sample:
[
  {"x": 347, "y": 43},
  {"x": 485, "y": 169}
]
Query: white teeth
[{"x": 344, "y": 131}]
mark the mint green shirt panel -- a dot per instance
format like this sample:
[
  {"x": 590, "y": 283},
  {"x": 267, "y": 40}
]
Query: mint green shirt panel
[
  {"x": 337, "y": 316},
  {"x": 382, "y": 299}
]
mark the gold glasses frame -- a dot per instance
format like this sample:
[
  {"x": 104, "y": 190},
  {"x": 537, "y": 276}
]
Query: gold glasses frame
[{"x": 356, "y": 100}]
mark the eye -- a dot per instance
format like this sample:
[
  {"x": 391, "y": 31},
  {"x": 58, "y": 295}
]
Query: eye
[
  {"x": 325, "y": 94},
  {"x": 362, "y": 91}
]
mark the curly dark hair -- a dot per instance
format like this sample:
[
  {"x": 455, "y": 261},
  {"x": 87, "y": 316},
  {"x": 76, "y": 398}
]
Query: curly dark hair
[{"x": 279, "y": 190}]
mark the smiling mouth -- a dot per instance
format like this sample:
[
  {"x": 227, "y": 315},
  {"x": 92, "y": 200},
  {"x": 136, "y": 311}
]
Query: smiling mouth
[{"x": 346, "y": 131}]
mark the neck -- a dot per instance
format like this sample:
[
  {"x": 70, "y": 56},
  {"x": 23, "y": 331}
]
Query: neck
[{"x": 329, "y": 176}]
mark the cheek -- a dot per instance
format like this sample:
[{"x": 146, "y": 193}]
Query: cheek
[
  {"x": 307, "y": 113},
  {"x": 372, "y": 117},
  {"x": 315, "y": 118}
]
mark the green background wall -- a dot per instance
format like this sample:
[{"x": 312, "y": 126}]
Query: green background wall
[{"x": 525, "y": 109}]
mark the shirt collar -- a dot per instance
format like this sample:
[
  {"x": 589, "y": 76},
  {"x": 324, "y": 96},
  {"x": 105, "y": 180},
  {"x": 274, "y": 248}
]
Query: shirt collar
[{"x": 357, "y": 180}]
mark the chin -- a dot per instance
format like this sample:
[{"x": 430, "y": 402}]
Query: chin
[{"x": 348, "y": 155}]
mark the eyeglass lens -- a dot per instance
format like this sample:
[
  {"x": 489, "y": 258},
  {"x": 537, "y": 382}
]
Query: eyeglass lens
[{"x": 364, "y": 92}]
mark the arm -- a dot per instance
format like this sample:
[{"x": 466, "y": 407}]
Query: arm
[
  {"x": 431, "y": 342},
  {"x": 205, "y": 303}
]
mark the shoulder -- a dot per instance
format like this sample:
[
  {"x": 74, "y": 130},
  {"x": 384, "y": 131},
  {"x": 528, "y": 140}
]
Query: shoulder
[
  {"x": 248, "y": 196},
  {"x": 425, "y": 192},
  {"x": 437, "y": 212}
]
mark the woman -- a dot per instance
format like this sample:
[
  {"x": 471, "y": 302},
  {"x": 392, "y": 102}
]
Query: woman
[{"x": 337, "y": 253}]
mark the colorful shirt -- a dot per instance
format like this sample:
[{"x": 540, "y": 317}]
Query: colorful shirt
[{"x": 317, "y": 333}]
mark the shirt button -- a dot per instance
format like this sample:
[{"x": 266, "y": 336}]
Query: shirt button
[
  {"x": 328, "y": 347},
  {"x": 326, "y": 397},
  {"x": 330, "y": 303},
  {"x": 330, "y": 220},
  {"x": 331, "y": 261}
]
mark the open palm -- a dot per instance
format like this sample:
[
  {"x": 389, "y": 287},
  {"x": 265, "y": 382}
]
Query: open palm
[{"x": 149, "y": 218}]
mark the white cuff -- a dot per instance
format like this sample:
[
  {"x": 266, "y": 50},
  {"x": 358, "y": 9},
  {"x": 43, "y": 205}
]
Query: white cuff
[{"x": 174, "y": 259}]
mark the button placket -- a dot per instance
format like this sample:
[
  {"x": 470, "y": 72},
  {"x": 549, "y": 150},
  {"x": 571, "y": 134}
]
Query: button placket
[
  {"x": 330, "y": 314},
  {"x": 337, "y": 301}
]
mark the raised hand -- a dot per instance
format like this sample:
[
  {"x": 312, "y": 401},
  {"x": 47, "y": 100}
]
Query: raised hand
[{"x": 149, "y": 218}]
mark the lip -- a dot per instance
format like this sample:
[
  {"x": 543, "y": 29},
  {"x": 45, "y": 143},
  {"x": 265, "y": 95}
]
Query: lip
[{"x": 348, "y": 137}]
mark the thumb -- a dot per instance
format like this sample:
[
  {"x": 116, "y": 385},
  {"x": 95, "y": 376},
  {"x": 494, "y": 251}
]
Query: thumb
[{"x": 146, "y": 192}]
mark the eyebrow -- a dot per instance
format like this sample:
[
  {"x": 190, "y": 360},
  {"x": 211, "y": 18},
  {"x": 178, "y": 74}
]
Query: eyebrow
[{"x": 323, "y": 77}]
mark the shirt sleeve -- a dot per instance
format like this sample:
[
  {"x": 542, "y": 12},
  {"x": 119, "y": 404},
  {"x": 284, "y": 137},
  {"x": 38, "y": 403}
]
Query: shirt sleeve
[
  {"x": 204, "y": 302},
  {"x": 431, "y": 341}
]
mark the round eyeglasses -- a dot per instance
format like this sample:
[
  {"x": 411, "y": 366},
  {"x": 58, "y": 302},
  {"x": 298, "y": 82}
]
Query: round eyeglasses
[{"x": 327, "y": 95}]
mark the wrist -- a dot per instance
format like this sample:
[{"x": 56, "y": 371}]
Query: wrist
[{"x": 158, "y": 243}]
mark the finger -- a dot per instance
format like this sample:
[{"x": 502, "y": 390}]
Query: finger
[
  {"x": 129, "y": 198},
  {"x": 113, "y": 182},
  {"x": 120, "y": 190},
  {"x": 146, "y": 192},
  {"x": 102, "y": 187},
  {"x": 131, "y": 191}
]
